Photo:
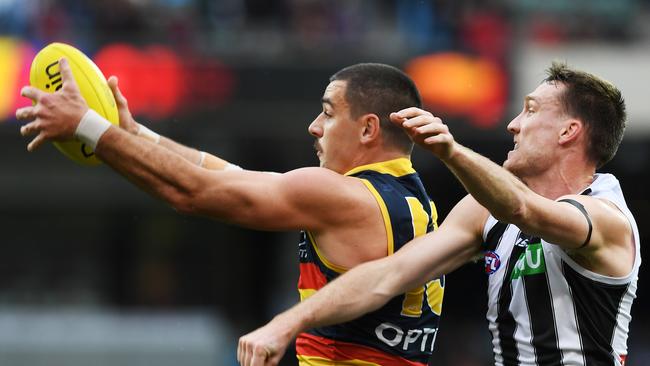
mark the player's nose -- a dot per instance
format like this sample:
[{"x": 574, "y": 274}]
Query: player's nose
[{"x": 315, "y": 129}]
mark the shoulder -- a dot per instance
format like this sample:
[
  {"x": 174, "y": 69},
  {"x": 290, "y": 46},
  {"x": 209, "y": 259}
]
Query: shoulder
[
  {"x": 321, "y": 180},
  {"x": 335, "y": 197}
]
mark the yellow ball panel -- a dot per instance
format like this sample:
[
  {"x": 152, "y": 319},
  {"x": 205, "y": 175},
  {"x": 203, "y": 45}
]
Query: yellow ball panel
[{"x": 45, "y": 75}]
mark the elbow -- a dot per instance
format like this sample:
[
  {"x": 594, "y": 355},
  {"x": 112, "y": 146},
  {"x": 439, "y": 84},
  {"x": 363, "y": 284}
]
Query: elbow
[
  {"x": 516, "y": 213},
  {"x": 190, "y": 198},
  {"x": 519, "y": 214},
  {"x": 217, "y": 203},
  {"x": 389, "y": 284},
  {"x": 184, "y": 203}
]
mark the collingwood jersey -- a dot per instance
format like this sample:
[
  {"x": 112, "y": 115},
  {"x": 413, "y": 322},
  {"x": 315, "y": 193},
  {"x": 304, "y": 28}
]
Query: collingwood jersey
[
  {"x": 544, "y": 308},
  {"x": 404, "y": 330}
]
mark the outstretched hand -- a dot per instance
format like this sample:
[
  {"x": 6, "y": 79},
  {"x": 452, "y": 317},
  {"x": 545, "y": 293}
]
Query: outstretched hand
[
  {"x": 54, "y": 116},
  {"x": 425, "y": 130},
  {"x": 126, "y": 119},
  {"x": 264, "y": 346}
]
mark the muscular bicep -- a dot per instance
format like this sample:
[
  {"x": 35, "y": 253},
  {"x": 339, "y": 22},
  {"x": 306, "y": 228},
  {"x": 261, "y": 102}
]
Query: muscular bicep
[
  {"x": 301, "y": 199},
  {"x": 576, "y": 222}
]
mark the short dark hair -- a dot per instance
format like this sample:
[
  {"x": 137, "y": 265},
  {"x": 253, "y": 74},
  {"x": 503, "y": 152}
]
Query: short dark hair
[
  {"x": 598, "y": 104},
  {"x": 380, "y": 89}
]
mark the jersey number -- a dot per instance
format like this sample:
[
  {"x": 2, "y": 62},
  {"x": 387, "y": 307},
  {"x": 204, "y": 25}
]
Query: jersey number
[{"x": 435, "y": 289}]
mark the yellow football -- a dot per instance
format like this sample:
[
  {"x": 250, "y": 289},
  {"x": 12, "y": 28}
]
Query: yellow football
[{"x": 44, "y": 75}]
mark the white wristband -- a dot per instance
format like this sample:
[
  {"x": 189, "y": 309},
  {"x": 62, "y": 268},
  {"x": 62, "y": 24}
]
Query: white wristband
[
  {"x": 148, "y": 134},
  {"x": 91, "y": 127},
  {"x": 201, "y": 158},
  {"x": 232, "y": 166}
]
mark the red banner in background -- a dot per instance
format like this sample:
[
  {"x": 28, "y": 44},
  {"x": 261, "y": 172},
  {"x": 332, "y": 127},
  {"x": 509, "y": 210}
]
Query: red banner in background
[{"x": 158, "y": 82}]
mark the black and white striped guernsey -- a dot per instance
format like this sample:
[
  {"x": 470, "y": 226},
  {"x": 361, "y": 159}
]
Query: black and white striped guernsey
[{"x": 544, "y": 308}]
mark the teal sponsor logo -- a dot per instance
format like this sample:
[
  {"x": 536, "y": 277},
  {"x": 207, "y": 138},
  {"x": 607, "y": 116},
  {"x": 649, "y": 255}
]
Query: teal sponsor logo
[{"x": 530, "y": 262}]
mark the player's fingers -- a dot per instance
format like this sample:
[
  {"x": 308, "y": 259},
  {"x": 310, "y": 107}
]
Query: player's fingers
[
  {"x": 32, "y": 93},
  {"x": 420, "y": 120},
  {"x": 240, "y": 351},
  {"x": 246, "y": 354},
  {"x": 36, "y": 142},
  {"x": 431, "y": 129},
  {"x": 260, "y": 356},
  {"x": 113, "y": 83},
  {"x": 437, "y": 139},
  {"x": 425, "y": 119},
  {"x": 30, "y": 128},
  {"x": 268, "y": 352},
  {"x": 397, "y": 119},
  {"x": 66, "y": 75},
  {"x": 412, "y": 112},
  {"x": 272, "y": 358},
  {"x": 255, "y": 361},
  {"x": 26, "y": 113}
]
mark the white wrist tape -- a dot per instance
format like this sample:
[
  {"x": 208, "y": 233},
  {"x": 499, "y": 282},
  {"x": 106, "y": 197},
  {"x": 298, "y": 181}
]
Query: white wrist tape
[
  {"x": 91, "y": 127},
  {"x": 148, "y": 134},
  {"x": 231, "y": 166},
  {"x": 201, "y": 158}
]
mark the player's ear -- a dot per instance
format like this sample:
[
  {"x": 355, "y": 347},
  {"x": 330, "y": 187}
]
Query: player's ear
[
  {"x": 371, "y": 126},
  {"x": 570, "y": 131}
]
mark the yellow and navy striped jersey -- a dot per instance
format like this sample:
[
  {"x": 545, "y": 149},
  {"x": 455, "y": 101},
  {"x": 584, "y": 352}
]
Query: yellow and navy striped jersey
[{"x": 404, "y": 330}]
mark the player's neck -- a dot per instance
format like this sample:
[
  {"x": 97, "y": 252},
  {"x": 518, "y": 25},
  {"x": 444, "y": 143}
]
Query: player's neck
[
  {"x": 377, "y": 156},
  {"x": 562, "y": 179}
]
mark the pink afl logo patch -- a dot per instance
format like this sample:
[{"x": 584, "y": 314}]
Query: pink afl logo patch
[{"x": 492, "y": 262}]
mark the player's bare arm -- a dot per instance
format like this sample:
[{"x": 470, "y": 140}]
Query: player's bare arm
[
  {"x": 253, "y": 199},
  {"x": 510, "y": 200},
  {"x": 370, "y": 285},
  {"x": 128, "y": 123}
]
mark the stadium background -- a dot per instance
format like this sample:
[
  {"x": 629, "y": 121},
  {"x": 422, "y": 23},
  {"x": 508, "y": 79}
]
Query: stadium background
[{"x": 95, "y": 272}]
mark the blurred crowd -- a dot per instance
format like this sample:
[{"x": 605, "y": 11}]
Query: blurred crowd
[{"x": 279, "y": 28}]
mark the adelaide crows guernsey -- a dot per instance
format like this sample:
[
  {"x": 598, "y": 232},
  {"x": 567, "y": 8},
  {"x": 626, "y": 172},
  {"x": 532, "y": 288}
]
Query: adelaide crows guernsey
[
  {"x": 546, "y": 309},
  {"x": 404, "y": 330}
]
